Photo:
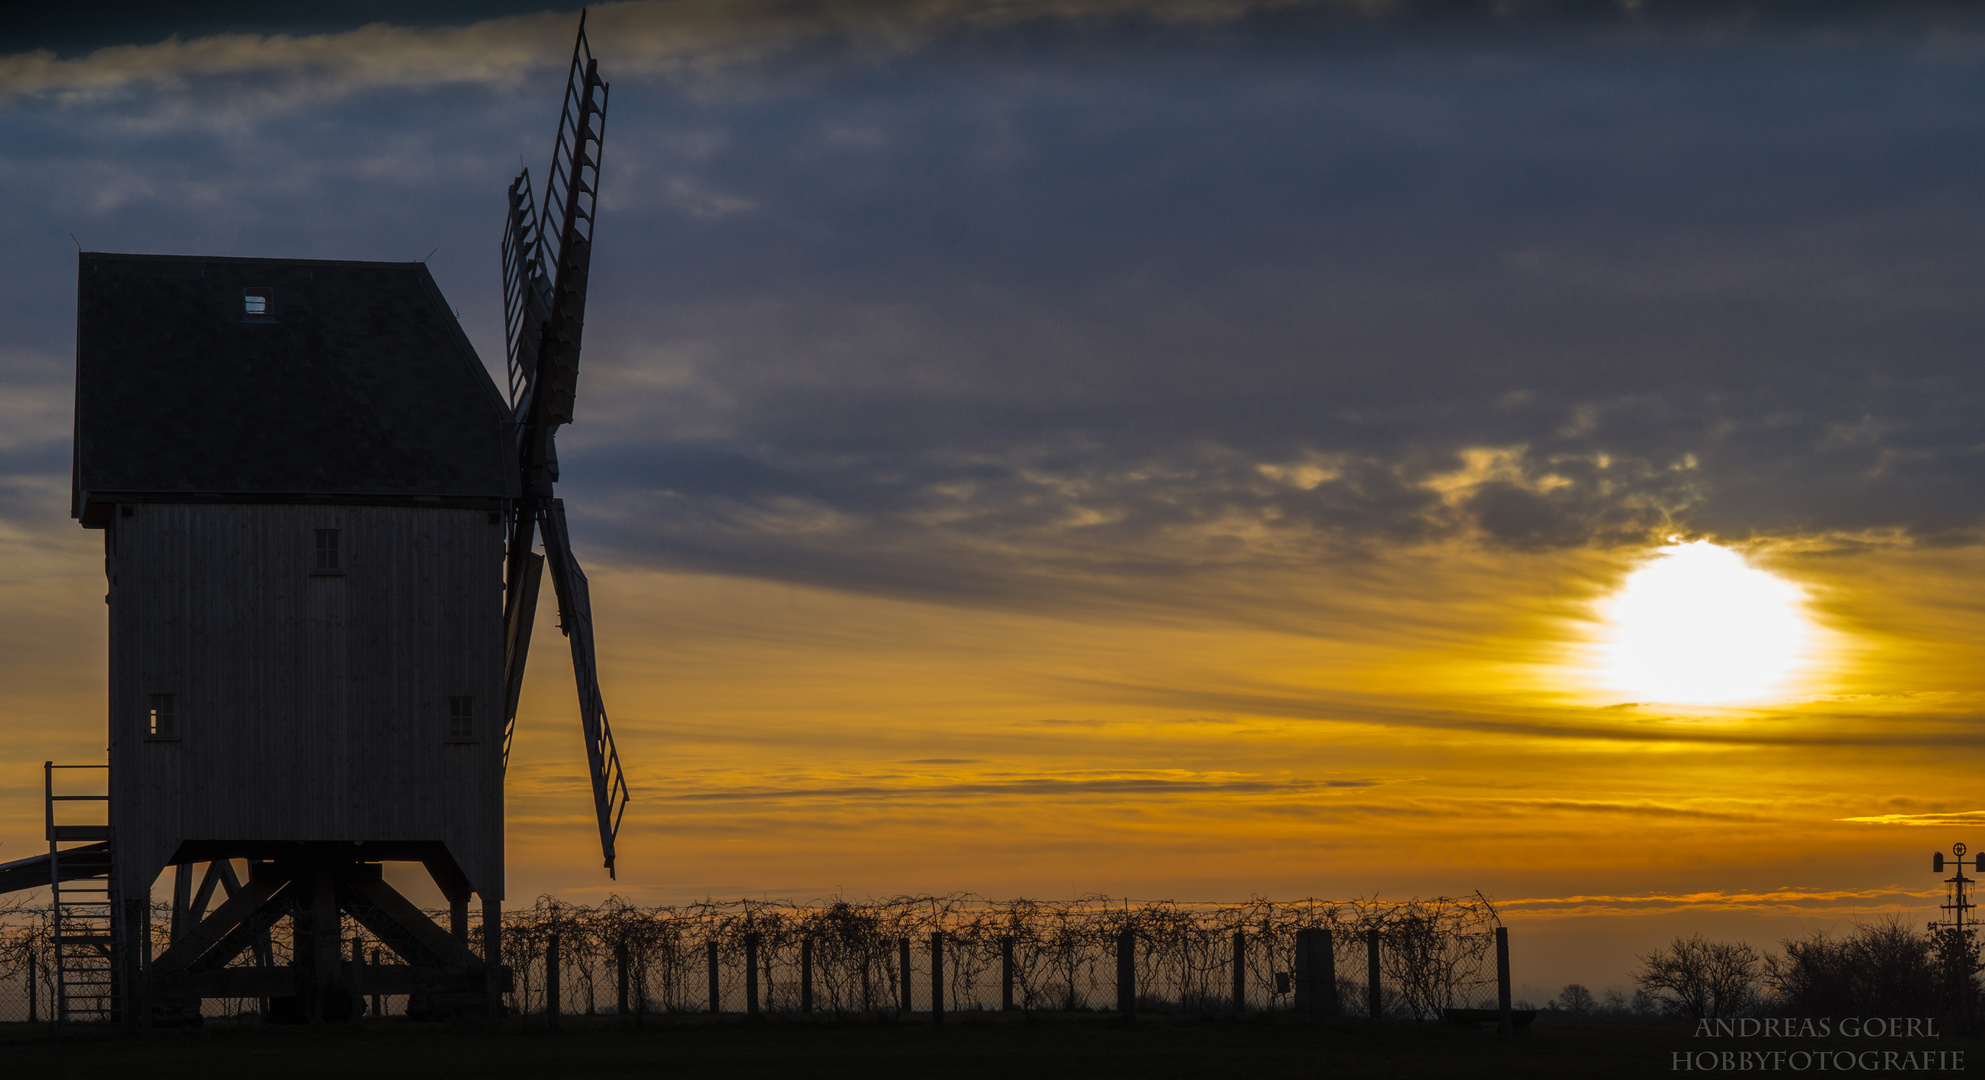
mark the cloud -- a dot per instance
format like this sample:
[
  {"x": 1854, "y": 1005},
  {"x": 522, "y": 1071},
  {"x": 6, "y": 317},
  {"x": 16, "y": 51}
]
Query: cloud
[
  {"x": 1034, "y": 789},
  {"x": 1285, "y": 323},
  {"x": 1808, "y": 902},
  {"x": 1949, "y": 819},
  {"x": 1195, "y": 290},
  {"x": 647, "y": 37}
]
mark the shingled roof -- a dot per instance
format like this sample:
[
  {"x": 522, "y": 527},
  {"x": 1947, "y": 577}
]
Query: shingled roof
[{"x": 352, "y": 383}]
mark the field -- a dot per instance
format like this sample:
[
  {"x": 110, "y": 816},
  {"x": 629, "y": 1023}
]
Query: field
[{"x": 987, "y": 1045}]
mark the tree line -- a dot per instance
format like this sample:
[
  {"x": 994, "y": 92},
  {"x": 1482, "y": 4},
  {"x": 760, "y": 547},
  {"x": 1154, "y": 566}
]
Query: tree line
[{"x": 1882, "y": 968}]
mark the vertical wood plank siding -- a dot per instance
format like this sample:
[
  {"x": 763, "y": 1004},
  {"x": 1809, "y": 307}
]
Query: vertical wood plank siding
[{"x": 310, "y": 706}]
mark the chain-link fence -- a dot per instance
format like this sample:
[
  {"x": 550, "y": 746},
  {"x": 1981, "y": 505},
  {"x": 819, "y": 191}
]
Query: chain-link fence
[{"x": 871, "y": 957}]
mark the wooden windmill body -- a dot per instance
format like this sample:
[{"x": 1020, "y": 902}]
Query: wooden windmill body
[{"x": 318, "y": 514}]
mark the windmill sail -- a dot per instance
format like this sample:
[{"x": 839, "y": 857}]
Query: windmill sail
[
  {"x": 526, "y": 292},
  {"x": 518, "y": 616},
  {"x": 575, "y": 613},
  {"x": 526, "y": 306},
  {"x": 546, "y": 262},
  {"x": 566, "y": 230}
]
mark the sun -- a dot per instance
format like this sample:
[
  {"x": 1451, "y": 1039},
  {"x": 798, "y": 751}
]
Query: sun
[{"x": 1697, "y": 625}]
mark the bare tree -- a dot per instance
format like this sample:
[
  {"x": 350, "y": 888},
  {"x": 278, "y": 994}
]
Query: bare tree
[
  {"x": 1697, "y": 978},
  {"x": 1574, "y": 999}
]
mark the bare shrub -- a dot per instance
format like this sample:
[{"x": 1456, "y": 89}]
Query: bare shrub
[
  {"x": 1698, "y": 978},
  {"x": 1883, "y": 968}
]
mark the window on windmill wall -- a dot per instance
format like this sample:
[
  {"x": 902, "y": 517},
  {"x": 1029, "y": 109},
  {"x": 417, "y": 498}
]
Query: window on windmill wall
[
  {"x": 162, "y": 718},
  {"x": 461, "y": 718},
  {"x": 329, "y": 556},
  {"x": 258, "y": 305}
]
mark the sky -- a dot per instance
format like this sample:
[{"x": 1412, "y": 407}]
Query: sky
[{"x": 1172, "y": 450}]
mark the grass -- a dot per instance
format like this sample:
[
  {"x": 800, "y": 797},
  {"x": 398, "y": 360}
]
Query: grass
[{"x": 966, "y": 1046}]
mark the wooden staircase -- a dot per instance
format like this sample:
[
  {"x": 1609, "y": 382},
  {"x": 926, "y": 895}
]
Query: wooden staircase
[{"x": 84, "y": 920}]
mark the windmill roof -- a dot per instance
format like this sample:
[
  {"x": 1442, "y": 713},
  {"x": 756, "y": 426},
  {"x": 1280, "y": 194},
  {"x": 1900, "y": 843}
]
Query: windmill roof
[{"x": 224, "y": 379}]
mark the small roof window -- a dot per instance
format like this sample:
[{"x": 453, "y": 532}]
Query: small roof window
[{"x": 258, "y": 305}]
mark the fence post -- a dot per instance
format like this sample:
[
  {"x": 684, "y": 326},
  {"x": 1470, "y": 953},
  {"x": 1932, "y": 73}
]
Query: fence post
[
  {"x": 620, "y": 981},
  {"x": 1240, "y": 971},
  {"x": 806, "y": 975},
  {"x": 1374, "y": 993},
  {"x": 551, "y": 1003},
  {"x": 1505, "y": 1023},
  {"x": 1006, "y": 974},
  {"x": 1316, "y": 974},
  {"x": 33, "y": 1013},
  {"x": 716, "y": 989},
  {"x": 751, "y": 974},
  {"x": 1309, "y": 1003},
  {"x": 377, "y": 1010},
  {"x": 1127, "y": 972},
  {"x": 903, "y": 948},
  {"x": 937, "y": 977},
  {"x": 1332, "y": 1004}
]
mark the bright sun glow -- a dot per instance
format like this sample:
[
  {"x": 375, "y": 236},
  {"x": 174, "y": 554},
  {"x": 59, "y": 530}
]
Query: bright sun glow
[{"x": 1700, "y": 626}]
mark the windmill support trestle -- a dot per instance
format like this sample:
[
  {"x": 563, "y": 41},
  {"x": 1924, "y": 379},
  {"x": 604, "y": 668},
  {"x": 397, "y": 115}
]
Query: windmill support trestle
[{"x": 316, "y": 887}]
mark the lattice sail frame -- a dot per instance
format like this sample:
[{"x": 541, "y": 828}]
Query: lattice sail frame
[
  {"x": 526, "y": 291},
  {"x": 544, "y": 319}
]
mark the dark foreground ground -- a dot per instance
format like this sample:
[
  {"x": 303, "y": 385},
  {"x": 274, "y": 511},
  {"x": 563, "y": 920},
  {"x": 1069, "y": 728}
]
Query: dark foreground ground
[{"x": 965, "y": 1047}]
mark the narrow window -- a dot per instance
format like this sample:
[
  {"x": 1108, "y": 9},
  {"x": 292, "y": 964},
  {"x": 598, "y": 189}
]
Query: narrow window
[
  {"x": 162, "y": 719},
  {"x": 329, "y": 557},
  {"x": 461, "y": 718},
  {"x": 258, "y": 305}
]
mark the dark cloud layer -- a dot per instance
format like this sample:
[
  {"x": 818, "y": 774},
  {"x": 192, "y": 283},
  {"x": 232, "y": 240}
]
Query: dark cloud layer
[
  {"x": 1125, "y": 297},
  {"x": 1161, "y": 306}
]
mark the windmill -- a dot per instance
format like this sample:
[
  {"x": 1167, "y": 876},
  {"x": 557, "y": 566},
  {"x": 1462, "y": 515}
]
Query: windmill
[{"x": 318, "y": 513}]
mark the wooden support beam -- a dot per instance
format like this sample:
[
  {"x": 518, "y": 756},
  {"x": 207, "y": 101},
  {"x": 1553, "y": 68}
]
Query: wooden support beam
[
  {"x": 235, "y": 982},
  {"x": 265, "y": 949},
  {"x": 182, "y": 897},
  {"x": 492, "y": 955},
  {"x": 401, "y": 926},
  {"x": 355, "y": 972},
  {"x": 202, "y": 938},
  {"x": 276, "y": 982},
  {"x": 317, "y": 924},
  {"x": 251, "y": 933},
  {"x": 204, "y": 895}
]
